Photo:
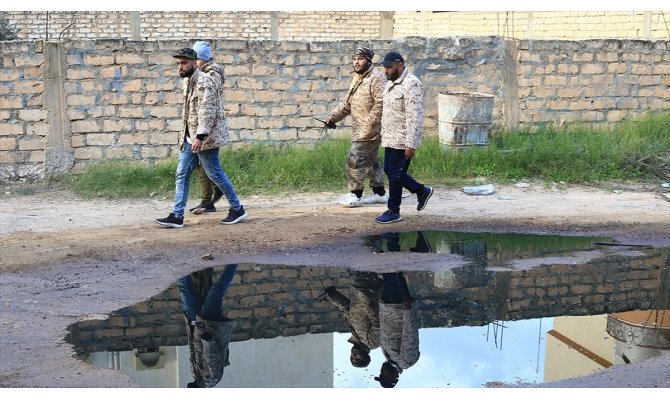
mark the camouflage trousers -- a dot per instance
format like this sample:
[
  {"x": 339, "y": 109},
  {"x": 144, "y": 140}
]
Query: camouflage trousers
[
  {"x": 363, "y": 162},
  {"x": 206, "y": 185}
]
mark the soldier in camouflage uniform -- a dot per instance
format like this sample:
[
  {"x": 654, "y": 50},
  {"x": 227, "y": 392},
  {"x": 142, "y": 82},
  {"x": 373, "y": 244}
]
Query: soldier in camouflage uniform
[
  {"x": 364, "y": 102},
  {"x": 402, "y": 127},
  {"x": 398, "y": 327},
  {"x": 205, "y": 130},
  {"x": 208, "y": 329},
  {"x": 211, "y": 193},
  {"x": 361, "y": 313}
]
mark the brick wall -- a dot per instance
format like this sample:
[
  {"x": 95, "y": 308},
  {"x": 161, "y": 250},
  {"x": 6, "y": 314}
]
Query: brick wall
[
  {"x": 273, "y": 301},
  {"x": 562, "y": 25},
  {"x": 325, "y": 25}
]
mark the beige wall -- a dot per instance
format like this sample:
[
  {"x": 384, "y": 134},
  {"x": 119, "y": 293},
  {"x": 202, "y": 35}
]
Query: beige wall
[
  {"x": 324, "y": 25},
  {"x": 564, "y": 25}
]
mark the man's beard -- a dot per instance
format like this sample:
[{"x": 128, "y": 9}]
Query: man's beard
[
  {"x": 363, "y": 68},
  {"x": 186, "y": 74}
]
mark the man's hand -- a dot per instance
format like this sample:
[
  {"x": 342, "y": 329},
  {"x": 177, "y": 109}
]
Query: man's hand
[
  {"x": 196, "y": 146},
  {"x": 409, "y": 153}
]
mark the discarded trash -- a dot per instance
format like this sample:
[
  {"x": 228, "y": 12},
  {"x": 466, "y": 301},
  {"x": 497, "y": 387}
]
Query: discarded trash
[
  {"x": 480, "y": 190},
  {"x": 505, "y": 197},
  {"x": 665, "y": 187},
  {"x": 207, "y": 256},
  {"x": 522, "y": 184},
  {"x": 617, "y": 191}
]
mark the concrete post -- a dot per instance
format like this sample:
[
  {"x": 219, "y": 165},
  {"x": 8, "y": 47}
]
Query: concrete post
[
  {"x": 135, "y": 25},
  {"x": 58, "y": 151},
  {"x": 386, "y": 29},
  {"x": 510, "y": 87}
]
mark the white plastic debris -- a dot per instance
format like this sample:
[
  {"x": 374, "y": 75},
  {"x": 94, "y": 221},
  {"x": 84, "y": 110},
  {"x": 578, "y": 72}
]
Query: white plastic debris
[
  {"x": 480, "y": 190},
  {"x": 522, "y": 185}
]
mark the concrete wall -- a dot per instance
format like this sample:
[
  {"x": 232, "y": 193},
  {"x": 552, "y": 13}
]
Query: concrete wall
[{"x": 66, "y": 104}]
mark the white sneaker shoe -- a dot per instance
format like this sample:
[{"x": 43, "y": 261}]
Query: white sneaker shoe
[
  {"x": 375, "y": 199},
  {"x": 350, "y": 200}
]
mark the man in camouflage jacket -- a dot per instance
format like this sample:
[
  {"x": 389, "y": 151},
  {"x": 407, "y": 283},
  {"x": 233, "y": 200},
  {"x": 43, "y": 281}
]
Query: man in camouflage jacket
[
  {"x": 208, "y": 329},
  {"x": 402, "y": 127},
  {"x": 364, "y": 103},
  {"x": 205, "y": 130},
  {"x": 361, "y": 313},
  {"x": 399, "y": 328},
  {"x": 211, "y": 193}
]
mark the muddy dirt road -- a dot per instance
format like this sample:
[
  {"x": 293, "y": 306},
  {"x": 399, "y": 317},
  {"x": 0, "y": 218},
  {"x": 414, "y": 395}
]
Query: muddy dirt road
[{"x": 64, "y": 260}]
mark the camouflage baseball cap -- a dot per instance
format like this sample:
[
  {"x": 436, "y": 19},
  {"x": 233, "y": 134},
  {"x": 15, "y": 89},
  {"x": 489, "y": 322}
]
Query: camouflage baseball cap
[{"x": 186, "y": 53}]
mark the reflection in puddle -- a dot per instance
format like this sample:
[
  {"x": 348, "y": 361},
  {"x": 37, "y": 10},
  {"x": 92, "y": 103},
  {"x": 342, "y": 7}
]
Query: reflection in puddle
[{"x": 522, "y": 308}]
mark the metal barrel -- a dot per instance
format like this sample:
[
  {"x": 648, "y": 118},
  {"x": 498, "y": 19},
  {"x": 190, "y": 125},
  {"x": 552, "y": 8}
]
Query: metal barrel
[{"x": 465, "y": 119}]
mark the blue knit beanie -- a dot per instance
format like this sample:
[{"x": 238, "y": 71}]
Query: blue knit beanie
[{"x": 203, "y": 50}]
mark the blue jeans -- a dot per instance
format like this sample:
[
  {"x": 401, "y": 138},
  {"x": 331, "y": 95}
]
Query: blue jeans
[
  {"x": 396, "y": 166},
  {"x": 207, "y": 301},
  {"x": 209, "y": 159}
]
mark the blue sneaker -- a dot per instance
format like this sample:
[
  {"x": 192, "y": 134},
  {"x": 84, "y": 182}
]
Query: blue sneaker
[
  {"x": 388, "y": 217},
  {"x": 423, "y": 198}
]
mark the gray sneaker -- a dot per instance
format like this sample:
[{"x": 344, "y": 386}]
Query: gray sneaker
[{"x": 234, "y": 216}]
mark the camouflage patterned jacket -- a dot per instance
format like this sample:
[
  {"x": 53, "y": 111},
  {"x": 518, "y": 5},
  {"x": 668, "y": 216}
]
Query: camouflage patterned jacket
[
  {"x": 402, "y": 114},
  {"x": 399, "y": 330},
  {"x": 361, "y": 313},
  {"x": 203, "y": 108},
  {"x": 364, "y": 103},
  {"x": 209, "y": 354}
]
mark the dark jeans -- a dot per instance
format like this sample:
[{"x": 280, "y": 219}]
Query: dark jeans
[
  {"x": 394, "y": 288},
  {"x": 396, "y": 166},
  {"x": 207, "y": 301}
]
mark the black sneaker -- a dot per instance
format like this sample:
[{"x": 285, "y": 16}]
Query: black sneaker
[
  {"x": 234, "y": 216},
  {"x": 217, "y": 195},
  {"x": 171, "y": 221},
  {"x": 203, "y": 208},
  {"x": 423, "y": 198}
]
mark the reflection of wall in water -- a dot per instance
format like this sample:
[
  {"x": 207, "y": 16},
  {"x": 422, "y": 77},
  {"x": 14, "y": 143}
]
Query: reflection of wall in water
[{"x": 280, "y": 301}]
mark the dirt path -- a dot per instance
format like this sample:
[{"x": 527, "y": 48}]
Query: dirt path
[{"x": 66, "y": 259}]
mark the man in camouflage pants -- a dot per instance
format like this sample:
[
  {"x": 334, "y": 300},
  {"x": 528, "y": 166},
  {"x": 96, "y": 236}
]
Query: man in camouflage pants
[
  {"x": 364, "y": 102},
  {"x": 205, "y": 130}
]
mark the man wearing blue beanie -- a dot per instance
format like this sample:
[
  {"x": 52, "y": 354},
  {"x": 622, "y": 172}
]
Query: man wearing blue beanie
[
  {"x": 203, "y": 50},
  {"x": 210, "y": 192}
]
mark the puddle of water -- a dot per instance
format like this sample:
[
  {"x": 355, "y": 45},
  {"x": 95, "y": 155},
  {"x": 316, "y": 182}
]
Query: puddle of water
[{"x": 490, "y": 321}]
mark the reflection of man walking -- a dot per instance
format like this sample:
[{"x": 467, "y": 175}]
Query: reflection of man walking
[
  {"x": 364, "y": 102},
  {"x": 399, "y": 328},
  {"x": 208, "y": 329},
  {"x": 361, "y": 313}
]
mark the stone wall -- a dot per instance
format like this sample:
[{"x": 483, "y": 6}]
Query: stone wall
[
  {"x": 66, "y": 104},
  {"x": 121, "y": 99}
]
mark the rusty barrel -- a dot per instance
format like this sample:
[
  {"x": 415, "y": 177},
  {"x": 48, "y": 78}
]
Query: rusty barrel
[{"x": 465, "y": 119}]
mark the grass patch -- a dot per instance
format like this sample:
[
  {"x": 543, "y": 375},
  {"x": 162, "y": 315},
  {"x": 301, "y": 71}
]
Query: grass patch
[{"x": 574, "y": 154}]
